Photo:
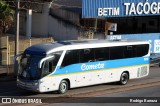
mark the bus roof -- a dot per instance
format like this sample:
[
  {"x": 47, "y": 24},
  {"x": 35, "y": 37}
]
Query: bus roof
[
  {"x": 44, "y": 48},
  {"x": 74, "y": 42}
]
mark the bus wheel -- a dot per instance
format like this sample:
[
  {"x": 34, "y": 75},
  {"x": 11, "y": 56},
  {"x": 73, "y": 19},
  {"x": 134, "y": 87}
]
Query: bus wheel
[
  {"x": 63, "y": 87},
  {"x": 124, "y": 78}
]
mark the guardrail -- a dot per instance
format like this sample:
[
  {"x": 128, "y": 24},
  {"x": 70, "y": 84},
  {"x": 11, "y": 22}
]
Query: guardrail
[{"x": 155, "y": 61}]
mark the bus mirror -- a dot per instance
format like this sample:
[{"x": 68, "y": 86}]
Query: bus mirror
[
  {"x": 42, "y": 60},
  {"x": 40, "y": 63},
  {"x": 15, "y": 58}
]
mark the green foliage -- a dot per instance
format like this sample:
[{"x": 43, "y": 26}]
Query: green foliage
[{"x": 6, "y": 16}]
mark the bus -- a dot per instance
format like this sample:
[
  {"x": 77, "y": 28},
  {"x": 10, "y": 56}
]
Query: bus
[{"x": 62, "y": 65}]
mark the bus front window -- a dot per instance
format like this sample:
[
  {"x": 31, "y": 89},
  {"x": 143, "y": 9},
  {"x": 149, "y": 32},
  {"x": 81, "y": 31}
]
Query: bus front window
[{"x": 28, "y": 67}]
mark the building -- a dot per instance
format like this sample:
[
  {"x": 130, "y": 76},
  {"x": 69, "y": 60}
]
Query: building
[{"x": 64, "y": 20}]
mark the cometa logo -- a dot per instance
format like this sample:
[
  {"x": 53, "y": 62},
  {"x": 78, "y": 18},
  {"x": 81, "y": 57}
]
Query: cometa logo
[{"x": 92, "y": 67}]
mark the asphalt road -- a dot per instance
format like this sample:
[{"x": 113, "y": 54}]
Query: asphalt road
[
  {"x": 138, "y": 97},
  {"x": 9, "y": 88}
]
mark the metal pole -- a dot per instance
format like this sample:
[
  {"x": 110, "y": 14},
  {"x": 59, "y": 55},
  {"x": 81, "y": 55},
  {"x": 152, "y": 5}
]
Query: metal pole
[
  {"x": 106, "y": 30},
  {"x": 95, "y": 25},
  {"x": 17, "y": 40},
  {"x": 17, "y": 30}
]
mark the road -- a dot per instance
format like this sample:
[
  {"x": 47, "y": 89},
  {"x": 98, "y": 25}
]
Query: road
[
  {"x": 9, "y": 88},
  {"x": 138, "y": 97}
]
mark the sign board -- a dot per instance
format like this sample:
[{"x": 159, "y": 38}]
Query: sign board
[
  {"x": 156, "y": 46},
  {"x": 111, "y": 26},
  {"x": 153, "y": 38},
  {"x": 119, "y": 8}
]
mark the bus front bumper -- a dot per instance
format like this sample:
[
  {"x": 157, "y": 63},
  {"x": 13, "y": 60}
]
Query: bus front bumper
[{"x": 32, "y": 86}]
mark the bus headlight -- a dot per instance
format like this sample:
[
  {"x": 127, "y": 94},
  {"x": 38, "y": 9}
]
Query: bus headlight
[
  {"x": 40, "y": 82},
  {"x": 17, "y": 80},
  {"x": 36, "y": 83}
]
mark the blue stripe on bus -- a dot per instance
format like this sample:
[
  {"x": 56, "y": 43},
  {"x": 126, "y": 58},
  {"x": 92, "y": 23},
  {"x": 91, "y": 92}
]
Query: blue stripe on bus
[{"x": 101, "y": 65}]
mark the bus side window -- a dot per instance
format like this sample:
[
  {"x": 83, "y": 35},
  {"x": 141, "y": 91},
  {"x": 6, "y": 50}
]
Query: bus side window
[
  {"x": 71, "y": 57},
  {"x": 116, "y": 52},
  {"x": 50, "y": 64},
  {"x": 47, "y": 69},
  {"x": 55, "y": 61},
  {"x": 86, "y": 55},
  {"x": 129, "y": 51},
  {"x": 101, "y": 54},
  {"x": 50, "y": 67},
  {"x": 142, "y": 50}
]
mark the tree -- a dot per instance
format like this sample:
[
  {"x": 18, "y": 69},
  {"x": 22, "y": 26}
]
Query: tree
[{"x": 6, "y": 17}]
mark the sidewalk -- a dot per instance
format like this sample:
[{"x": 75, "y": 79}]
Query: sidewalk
[
  {"x": 10, "y": 77},
  {"x": 6, "y": 73}
]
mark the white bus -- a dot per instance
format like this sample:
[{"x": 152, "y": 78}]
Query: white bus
[{"x": 63, "y": 65}]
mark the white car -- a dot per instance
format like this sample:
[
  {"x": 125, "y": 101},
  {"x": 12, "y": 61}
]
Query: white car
[{"x": 155, "y": 59}]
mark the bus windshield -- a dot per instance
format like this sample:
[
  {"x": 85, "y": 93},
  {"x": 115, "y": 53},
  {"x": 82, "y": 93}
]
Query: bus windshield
[
  {"x": 28, "y": 67},
  {"x": 29, "y": 70}
]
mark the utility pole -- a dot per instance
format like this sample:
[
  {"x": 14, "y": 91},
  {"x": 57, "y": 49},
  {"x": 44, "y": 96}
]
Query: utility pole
[
  {"x": 17, "y": 30},
  {"x": 17, "y": 40}
]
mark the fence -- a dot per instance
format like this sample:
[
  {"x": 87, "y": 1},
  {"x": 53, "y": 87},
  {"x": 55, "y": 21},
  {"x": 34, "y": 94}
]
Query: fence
[{"x": 7, "y": 50}]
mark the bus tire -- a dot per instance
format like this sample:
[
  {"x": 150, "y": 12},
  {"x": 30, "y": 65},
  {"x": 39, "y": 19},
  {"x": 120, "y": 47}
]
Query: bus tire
[
  {"x": 124, "y": 78},
  {"x": 63, "y": 87}
]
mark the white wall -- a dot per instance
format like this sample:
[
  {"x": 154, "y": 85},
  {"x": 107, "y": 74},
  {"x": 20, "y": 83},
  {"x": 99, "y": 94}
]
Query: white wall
[
  {"x": 40, "y": 22},
  {"x": 40, "y": 25},
  {"x": 61, "y": 30},
  {"x": 44, "y": 25},
  {"x": 66, "y": 15}
]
